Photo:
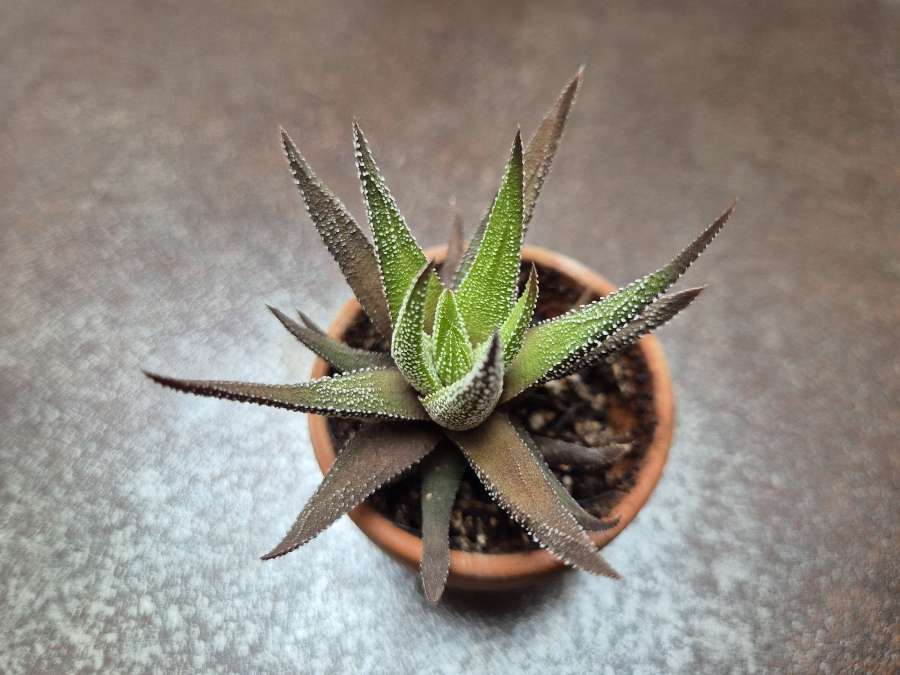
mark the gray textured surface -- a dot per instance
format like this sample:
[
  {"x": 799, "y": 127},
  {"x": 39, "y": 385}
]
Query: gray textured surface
[{"x": 147, "y": 214}]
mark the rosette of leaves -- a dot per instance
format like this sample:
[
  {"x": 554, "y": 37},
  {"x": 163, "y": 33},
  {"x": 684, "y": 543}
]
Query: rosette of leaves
[{"x": 462, "y": 345}]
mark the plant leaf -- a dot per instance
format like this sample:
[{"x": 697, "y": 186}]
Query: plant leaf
[
  {"x": 376, "y": 392},
  {"x": 441, "y": 473},
  {"x": 552, "y": 343},
  {"x": 512, "y": 332},
  {"x": 452, "y": 351},
  {"x": 455, "y": 245},
  {"x": 543, "y": 144},
  {"x": 557, "y": 451},
  {"x": 587, "y": 520},
  {"x": 408, "y": 343},
  {"x": 343, "y": 238},
  {"x": 650, "y": 319},
  {"x": 375, "y": 455},
  {"x": 516, "y": 480},
  {"x": 538, "y": 156},
  {"x": 399, "y": 256},
  {"x": 487, "y": 292},
  {"x": 468, "y": 401},
  {"x": 342, "y": 357}
]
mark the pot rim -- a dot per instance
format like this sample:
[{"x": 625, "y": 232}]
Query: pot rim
[{"x": 508, "y": 570}]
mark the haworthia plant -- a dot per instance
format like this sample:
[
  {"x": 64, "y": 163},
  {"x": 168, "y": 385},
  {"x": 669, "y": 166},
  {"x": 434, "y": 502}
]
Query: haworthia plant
[{"x": 462, "y": 344}]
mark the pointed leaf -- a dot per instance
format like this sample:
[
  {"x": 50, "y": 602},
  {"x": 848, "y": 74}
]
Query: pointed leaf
[
  {"x": 512, "y": 332},
  {"x": 455, "y": 245},
  {"x": 408, "y": 343},
  {"x": 486, "y": 294},
  {"x": 380, "y": 393},
  {"x": 341, "y": 356},
  {"x": 441, "y": 473},
  {"x": 399, "y": 256},
  {"x": 650, "y": 319},
  {"x": 553, "y": 343},
  {"x": 587, "y": 520},
  {"x": 375, "y": 455},
  {"x": 538, "y": 156},
  {"x": 516, "y": 480},
  {"x": 343, "y": 238},
  {"x": 432, "y": 295},
  {"x": 468, "y": 401},
  {"x": 557, "y": 451},
  {"x": 452, "y": 351},
  {"x": 542, "y": 147}
]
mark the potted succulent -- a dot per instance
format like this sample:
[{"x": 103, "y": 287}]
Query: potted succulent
[{"x": 441, "y": 377}]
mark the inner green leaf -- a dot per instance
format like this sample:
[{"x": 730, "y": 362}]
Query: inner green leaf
[
  {"x": 452, "y": 349},
  {"x": 487, "y": 292}
]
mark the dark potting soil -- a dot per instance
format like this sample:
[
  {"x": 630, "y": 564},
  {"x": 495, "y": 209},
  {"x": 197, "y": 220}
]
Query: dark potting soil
[{"x": 611, "y": 402}]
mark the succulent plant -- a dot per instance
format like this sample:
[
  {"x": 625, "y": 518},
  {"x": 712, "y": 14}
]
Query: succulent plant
[{"x": 462, "y": 345}]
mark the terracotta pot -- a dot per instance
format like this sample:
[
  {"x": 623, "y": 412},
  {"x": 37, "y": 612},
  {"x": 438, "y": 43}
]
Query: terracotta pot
[{"x": 510, "y": 570}]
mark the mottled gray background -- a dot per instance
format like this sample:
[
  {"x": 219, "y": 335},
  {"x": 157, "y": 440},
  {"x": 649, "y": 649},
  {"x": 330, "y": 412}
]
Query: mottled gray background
[{"x": 147, "y": 214}]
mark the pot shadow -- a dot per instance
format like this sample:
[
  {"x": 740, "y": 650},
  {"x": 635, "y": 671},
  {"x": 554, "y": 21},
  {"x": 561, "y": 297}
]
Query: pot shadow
[{"x": 500, "y": 603}]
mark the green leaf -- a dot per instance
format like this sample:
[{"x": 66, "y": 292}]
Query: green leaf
[
  {"x": 452, "y": 351},
  {"x": 650, "y": 319},
  {"x": 379, "y": 393},
  {"x": 468, "y": 401},
  {"x": 340, "y": 356},
  {"x": 441, "y": 473},
  {"x": 375, "y": 455},
  {"x": 408, "y": 343},
  {"x": 512, "y": 332},
  {"x": 538, "y": 156},
  {"x": 399, "y": 256},
  {"x": 343, "y": 238},
  {"x": 487, "y": 292},
  {"x": 517, "y": 481},
  {"x": 432, "y": 295},
  {"x": 587, "y": 520},
  {"x": 553, "y": 343}
]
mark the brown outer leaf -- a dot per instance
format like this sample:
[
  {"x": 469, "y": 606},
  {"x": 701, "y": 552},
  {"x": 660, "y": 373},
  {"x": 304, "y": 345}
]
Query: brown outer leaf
[
  {"x": 345, "y": 241},
  {"x": 587, "y": 520},
  {"x": 441, "y": 473},
  {"x": 375, "y": 455},
  {"x": 516, "y": 480},
  {"x": 543, "y": 144},
  {"x": 455, "y": 245},
  {"x": 341, "y": 356},
  {"x": 557, "y": 451},
  {"x": 381, "y": 393}
]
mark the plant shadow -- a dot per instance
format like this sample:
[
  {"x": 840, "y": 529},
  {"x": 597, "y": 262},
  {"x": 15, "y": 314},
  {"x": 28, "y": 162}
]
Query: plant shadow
[{"x": 500, "y": 603}]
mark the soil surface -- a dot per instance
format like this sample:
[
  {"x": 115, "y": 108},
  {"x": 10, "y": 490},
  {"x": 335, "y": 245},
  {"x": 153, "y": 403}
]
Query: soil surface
[{"x": 607, "y": 404}]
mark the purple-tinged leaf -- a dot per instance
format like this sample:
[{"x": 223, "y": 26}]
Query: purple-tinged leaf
[
  {"x": 441, "y": 473},
  {"x": 378, "y": 393},
  {"x": 587, "y": 520},
  {"x": 517, "y": 481},
  {"x": 455, "y": 246},
  {"x": 375, "y": 455},
  {"x": 342, "y": 357},
  {"x": 557, "y": 451},
  {"x": 342, "y": 236}
]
